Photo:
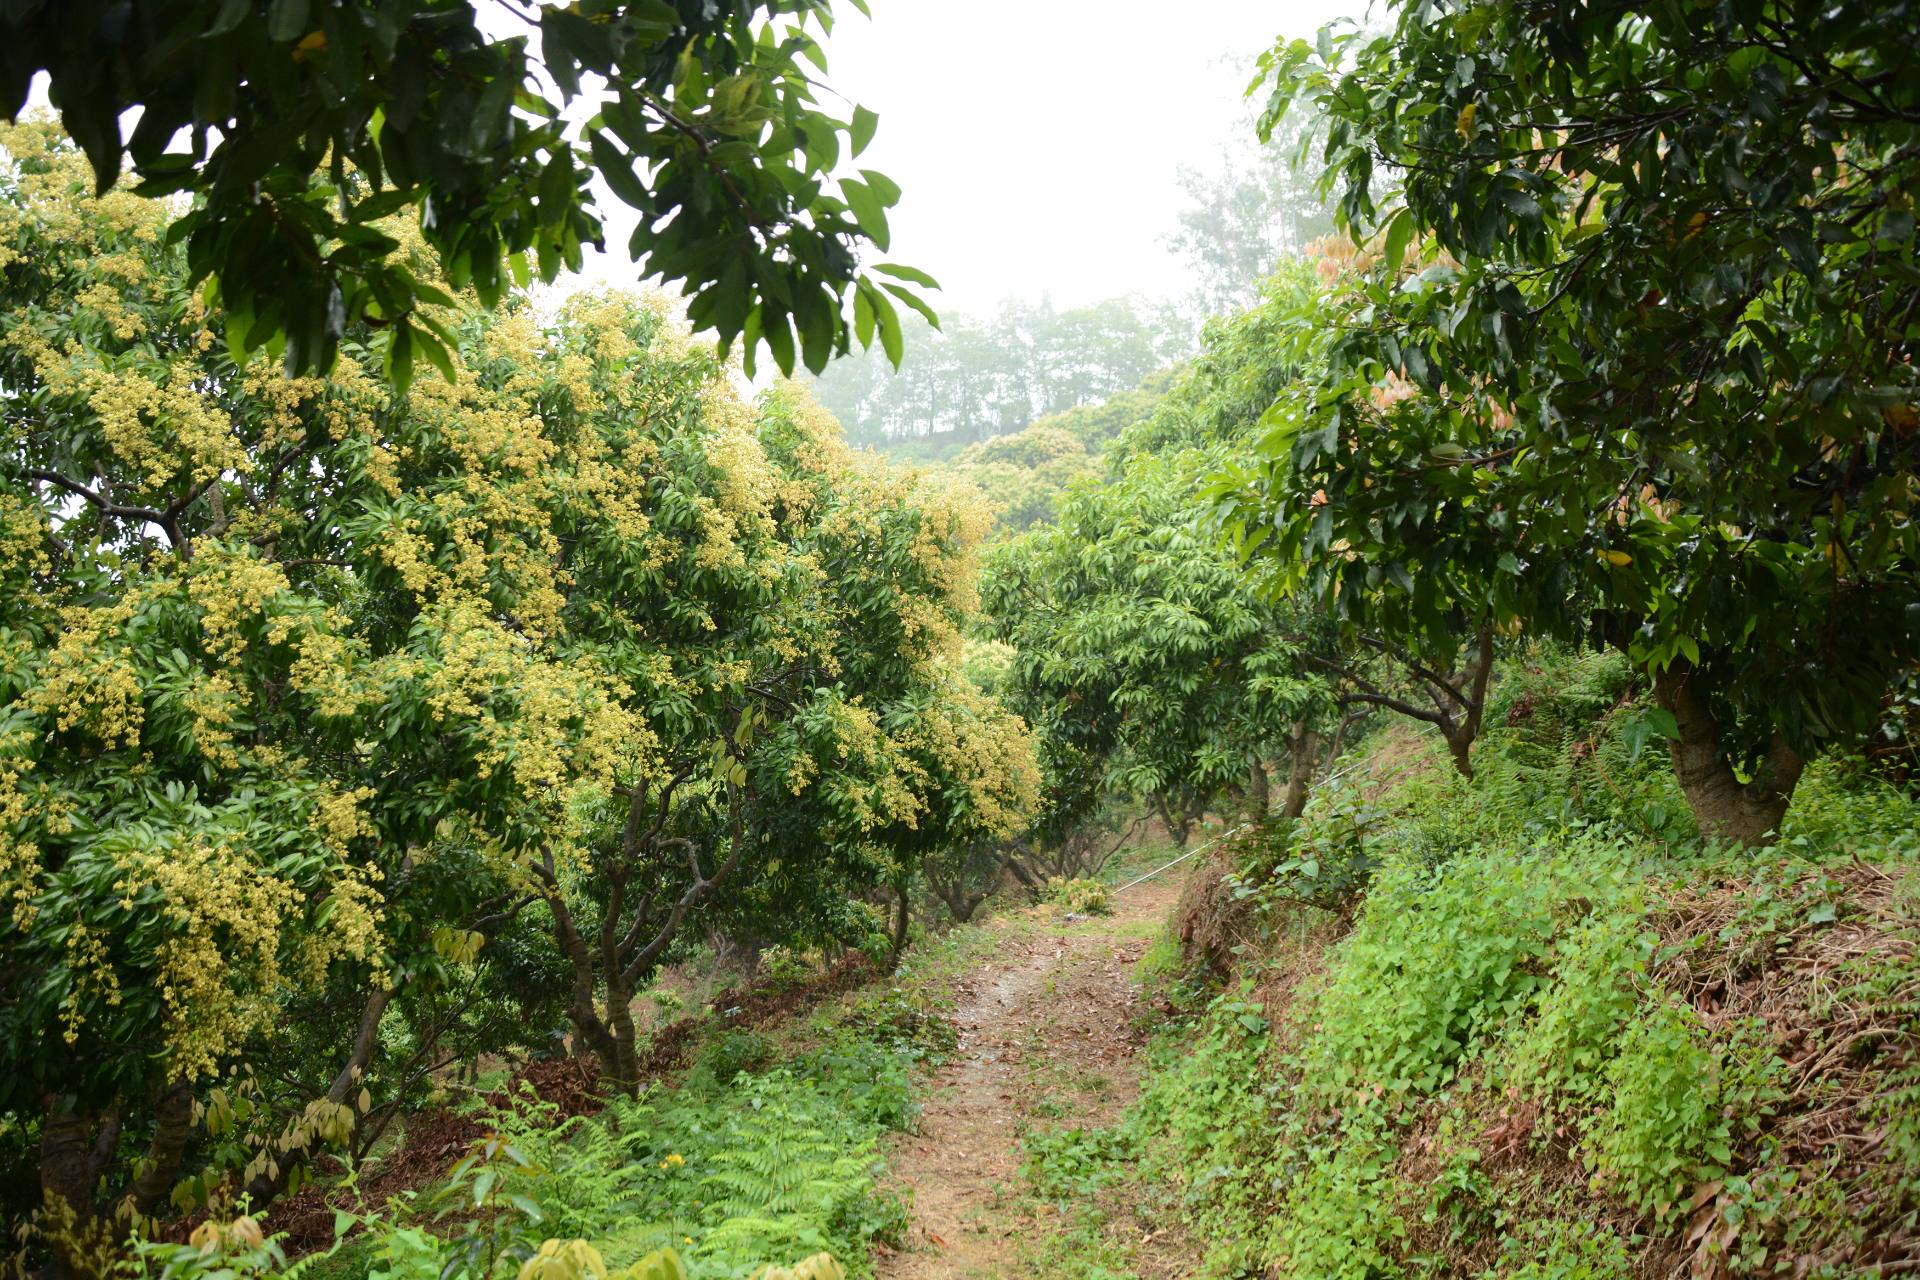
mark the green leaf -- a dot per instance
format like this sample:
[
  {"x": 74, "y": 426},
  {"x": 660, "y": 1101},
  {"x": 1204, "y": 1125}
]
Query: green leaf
[
  {"x": 913, "y": 300},
  {"x": 864, "y": 123},
  {"x": 436, "y": 353},
  {"x": 286, "y": 20},
  {"x": 913, "y": 275},
  {"x": 1643, "y": 728},
  {"x": 868, "y": 210},
  {"x": 779, "y": 338},
  {"x": 862, "y": 317},
  {"x": 228, "y": 19},
  {"x": 888, "y": 322},
  {"x": 886, "y": 188},
  {"x": 399, "y": 359},
  {"x": 1399, "y": 232},
  {"x": 618, "y": 171}
]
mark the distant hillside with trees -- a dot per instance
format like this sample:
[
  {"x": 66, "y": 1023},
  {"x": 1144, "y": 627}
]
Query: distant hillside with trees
[{"x": 980, "y": 377}]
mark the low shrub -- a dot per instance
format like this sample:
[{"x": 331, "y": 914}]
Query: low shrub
[
  {"x": 1079, "y": 897},
  {"x": 782, "y": 967},
  {"x": 1324, "y": 859},
  {"x": 907, "y": 1022},
  {"x": 746, "y": 1170},
  {"x": 1557, "y": 1249},
  {"x": 732, "y": 1052},
  {"x": 1676, "y": 1098},
  {"x": 1069, "y": 1165}
]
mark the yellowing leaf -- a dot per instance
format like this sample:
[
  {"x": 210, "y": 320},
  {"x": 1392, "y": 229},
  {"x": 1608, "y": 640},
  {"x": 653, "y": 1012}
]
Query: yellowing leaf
[
  {"x": 1618, "y": 559},
  {"x": 311, "y": 43}
]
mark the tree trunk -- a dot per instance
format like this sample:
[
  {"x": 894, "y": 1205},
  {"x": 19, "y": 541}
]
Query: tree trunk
[
  {"x": 68, "y": 1177},
  {"x": 902, "y": 918},
  {"x": 1460, "y": 734},
  {"x": 621, "y": 956},
  {"x": 78, "y": 1149},
  {"x": 270, "y": 1182},
  {"x": 1458, "y": 694},
  {"x": 1723, "y": 807},
  {"x": 961, "y": 901},
  {"x": 172, "y": 1127},
  {"x": 1259, "y": 792},
  {"x": 1459, "y": 746},
  {"x": 590, "y": 1033},
  {"x": 624, "y": 1070},
  {"x": 1299, "y": 771},
  {"x": 1177, "y": 818}
]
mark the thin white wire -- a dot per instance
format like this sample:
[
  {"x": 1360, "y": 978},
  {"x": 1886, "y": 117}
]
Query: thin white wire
[
  {"x": 1183, "y": 857},
  {"x": 1326, "y": 781}
]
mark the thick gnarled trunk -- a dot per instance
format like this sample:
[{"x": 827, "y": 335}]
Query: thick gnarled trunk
[
  {"x": 961, "y": 902},
  {"x": 1724, "y": 807},
  {"x": 69, "y": 1174},
  {"x": 78, "y": 1149},
  {"x": 1178, "y": 814}
]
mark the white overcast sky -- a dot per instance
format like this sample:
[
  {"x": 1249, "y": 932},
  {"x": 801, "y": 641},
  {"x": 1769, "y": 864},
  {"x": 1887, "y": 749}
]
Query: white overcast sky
[{"x": 1037, "y": 141}]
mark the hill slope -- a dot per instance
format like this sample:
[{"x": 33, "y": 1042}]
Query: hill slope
[{"x": 1523, "y": 1027}]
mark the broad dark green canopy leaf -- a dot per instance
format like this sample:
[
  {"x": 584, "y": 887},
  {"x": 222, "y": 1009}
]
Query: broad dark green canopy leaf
[{"x": 301, "y": 129}]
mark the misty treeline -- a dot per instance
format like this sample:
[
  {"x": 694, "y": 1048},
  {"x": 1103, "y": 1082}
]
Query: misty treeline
[{"x": 980, "y": 378}]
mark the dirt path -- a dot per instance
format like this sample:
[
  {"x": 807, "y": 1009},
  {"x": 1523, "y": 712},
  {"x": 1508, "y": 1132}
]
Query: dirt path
[{"x": 1046, "y": 1033}]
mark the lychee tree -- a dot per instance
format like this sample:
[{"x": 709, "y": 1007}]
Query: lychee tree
[
  {"x": 311, "y": 689},
  {"x": 1629, "y": 358},
  {"x": 1149, "y": 663}
]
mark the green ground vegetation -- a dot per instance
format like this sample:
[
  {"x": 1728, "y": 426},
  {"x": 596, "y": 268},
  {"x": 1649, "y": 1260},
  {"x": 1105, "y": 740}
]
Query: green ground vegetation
[{"x": 1523, "y": 1026}]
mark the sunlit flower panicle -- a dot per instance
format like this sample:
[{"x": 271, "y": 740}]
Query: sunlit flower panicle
[
  {"x": 86, "y": 683},
  {"x": 212, "y": 703},
  {"x": 161, "y": 424},
  {"x": 236, "y": 594},
  {"x": 24, "y": 531}
]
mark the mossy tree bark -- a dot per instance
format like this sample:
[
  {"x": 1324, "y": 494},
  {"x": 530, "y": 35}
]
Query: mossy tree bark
[
  {"x": 77, "y": 1151},
  {"x": 1724, "y": 806},
  {"x": 1300, "y": 757}
]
